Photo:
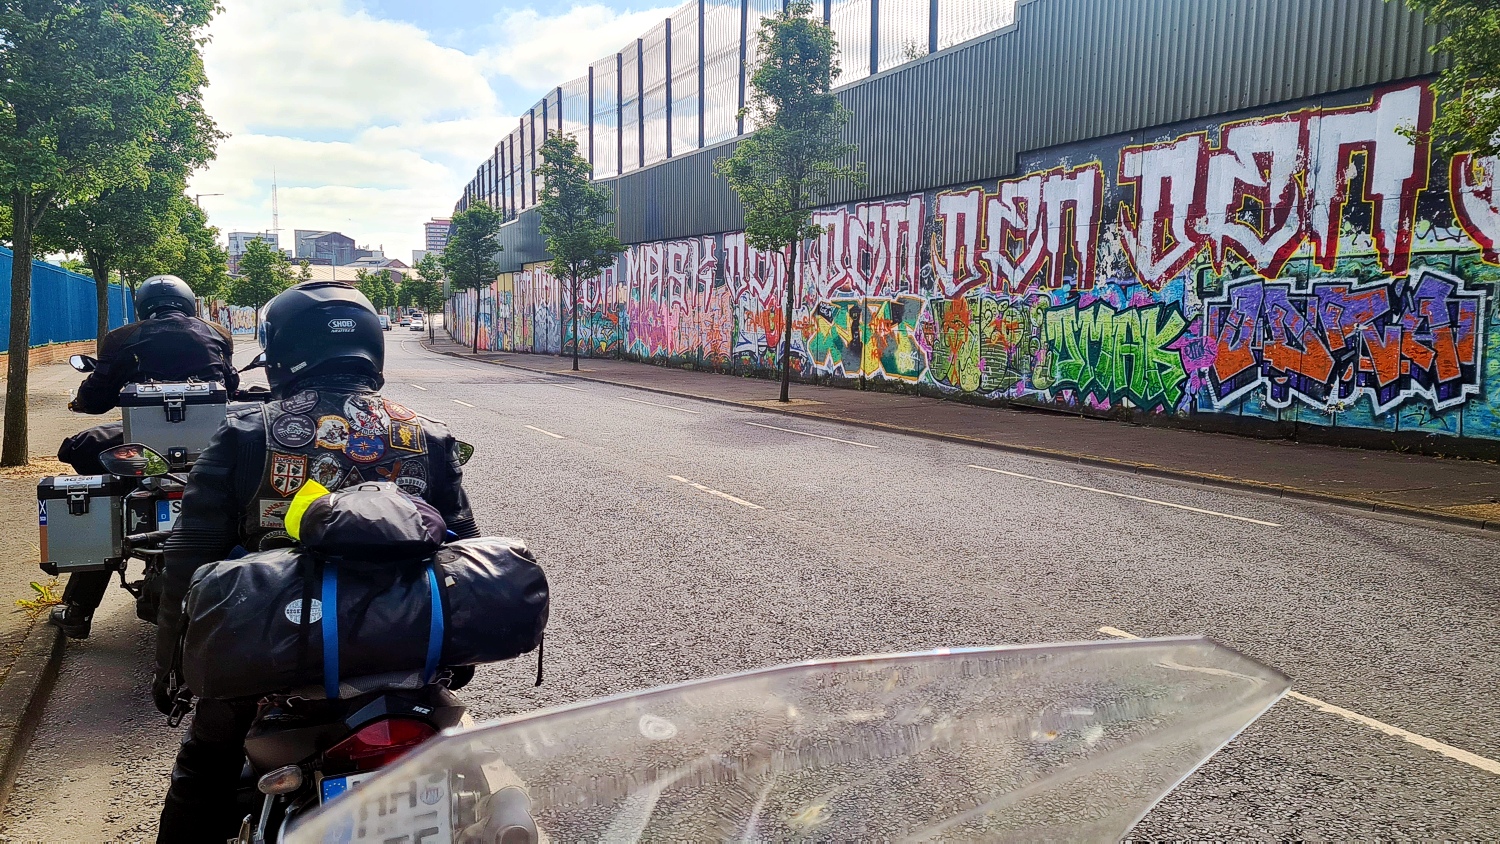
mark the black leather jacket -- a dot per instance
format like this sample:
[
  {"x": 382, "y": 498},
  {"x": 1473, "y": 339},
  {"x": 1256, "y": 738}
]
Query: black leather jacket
[
  {"x": 169, "y": 347},
  {"x": 222, "y": 489}
]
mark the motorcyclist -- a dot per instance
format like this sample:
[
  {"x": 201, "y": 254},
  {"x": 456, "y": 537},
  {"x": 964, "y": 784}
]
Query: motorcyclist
[
  {"x": 169, "y": 343},
  {"x": 324, "y": 356}
]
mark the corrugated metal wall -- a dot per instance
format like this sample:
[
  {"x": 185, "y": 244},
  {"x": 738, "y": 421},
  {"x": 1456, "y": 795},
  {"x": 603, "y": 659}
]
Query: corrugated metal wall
[{"x": 1068, "y": 70}]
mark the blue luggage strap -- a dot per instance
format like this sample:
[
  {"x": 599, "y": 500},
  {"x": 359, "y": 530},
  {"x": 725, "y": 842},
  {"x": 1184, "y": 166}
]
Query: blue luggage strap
[{"x": 330, "y": 624}]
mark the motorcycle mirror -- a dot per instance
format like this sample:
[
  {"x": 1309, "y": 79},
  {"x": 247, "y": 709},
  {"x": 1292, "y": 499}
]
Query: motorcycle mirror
[
  {"x": 82, "y": 363},
  {"x": 258, "y": 363},
  {"x": 134, "y": 460},
  {"x": 465, "y": 452}
]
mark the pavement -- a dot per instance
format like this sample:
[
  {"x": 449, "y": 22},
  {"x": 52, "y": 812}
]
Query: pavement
[
  {"x": 686, "y": 538},
  {"x": 1460, "y": 491}
]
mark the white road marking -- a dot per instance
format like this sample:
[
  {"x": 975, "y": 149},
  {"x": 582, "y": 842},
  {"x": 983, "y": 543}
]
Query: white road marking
[
  {"x": 667, "y": 406},
  {"x": 574, "y": 389},
  {"x": 1457, "y": 754},
  {"x": 419, "y": 387},
  {"x": 1123, "y": 495},
  {"x": 817, "y": 436},
  {"x": 724, "y": 495},
  {"x": 464, "y": 403},
  {"x": 548, "y": 433}
]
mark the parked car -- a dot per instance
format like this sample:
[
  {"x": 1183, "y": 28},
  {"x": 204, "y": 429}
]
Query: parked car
[{"x": 385, "y": 323}]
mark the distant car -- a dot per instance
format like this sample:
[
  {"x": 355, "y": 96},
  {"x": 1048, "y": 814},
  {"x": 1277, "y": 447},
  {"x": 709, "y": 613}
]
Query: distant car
[
  {"x": 406, "y": 320},
  {"x": 385, "y": 323},
  {"x": 418, "y": 324}
]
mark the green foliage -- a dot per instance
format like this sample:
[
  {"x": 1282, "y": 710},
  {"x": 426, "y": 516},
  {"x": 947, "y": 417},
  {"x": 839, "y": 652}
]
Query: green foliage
[
  {"x": 304, "y": 271},
  {"x": 264, "y": 272},
  {"x": 572, "y": 210},
  {"x": 378, "y": 287},
  {"x": 195, "y": 255},
  {"x": 1470, "y": 86},
  {"x": 469, "y": 258},
  {"x": 784, "y": 168},
  {"x": 430, "y": 268},
  {"x": 90, "y": 90},
  {"x": 419, "y": 293},
  {"x": 76, "y": 265}
]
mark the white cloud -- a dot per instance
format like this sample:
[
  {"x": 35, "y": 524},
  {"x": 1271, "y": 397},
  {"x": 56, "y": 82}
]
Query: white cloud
[
  {"x": 543, "y": 51},
  {"x": 370, "y": 126}
]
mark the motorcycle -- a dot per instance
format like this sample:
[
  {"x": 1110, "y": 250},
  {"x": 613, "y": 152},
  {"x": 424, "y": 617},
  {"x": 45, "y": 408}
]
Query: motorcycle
[
  {"x": 1071, "y": 741},
  {"x": 129, "y": 514}
]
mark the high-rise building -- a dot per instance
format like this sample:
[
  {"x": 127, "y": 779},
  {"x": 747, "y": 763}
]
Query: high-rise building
[
  {"x": 337, "y": 249},
  {"x": 437, "y": 234},
  {"x": 240, "y": 241}
]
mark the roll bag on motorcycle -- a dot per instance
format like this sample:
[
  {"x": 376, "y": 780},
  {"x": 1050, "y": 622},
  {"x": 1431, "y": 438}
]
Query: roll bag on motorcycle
[{"x": 370, "y": 590}]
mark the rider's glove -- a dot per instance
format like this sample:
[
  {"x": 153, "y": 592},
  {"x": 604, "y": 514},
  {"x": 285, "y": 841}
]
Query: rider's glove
[{"x": 162, "y": 694}]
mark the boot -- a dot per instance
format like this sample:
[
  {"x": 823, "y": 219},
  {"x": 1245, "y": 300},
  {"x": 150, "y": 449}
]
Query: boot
[{"x": 74, "y": 620}]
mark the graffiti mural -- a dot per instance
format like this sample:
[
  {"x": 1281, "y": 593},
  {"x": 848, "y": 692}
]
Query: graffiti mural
[{"x": 1315, "y": 264}]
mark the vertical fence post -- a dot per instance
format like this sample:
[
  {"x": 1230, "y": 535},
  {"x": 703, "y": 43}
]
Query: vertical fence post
[
  {"x": 827, "y": 12},
  {"x": 640, "y": 102},
  {"x": 669, "y": 90},
  {"x": 874, "y": 37},
  {"x": 702, "y": 89},
  {"x": 932, "y": 26},
  {"x": 619, "y": 115},
  {"x": 739, "y": 123},
  {"x": 591, "y": 122}
]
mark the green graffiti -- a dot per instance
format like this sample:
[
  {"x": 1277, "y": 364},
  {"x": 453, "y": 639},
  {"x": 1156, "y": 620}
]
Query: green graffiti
[
  {"x": 873, "y": 338},
  {"x": 1117, "y": 355}
]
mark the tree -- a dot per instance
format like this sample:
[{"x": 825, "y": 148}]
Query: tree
[
  {"x": 88, "y": 87},
  {"x": 197, "y": 257},
  {"x": 304, "y": 271},
  {"x": 426, "y": 290},
  {"x": 264, "y": 272},
  {"x": 1470, "y": 85},
  {"x": 378, "y": 287},
  {"x": 469, "y": 258},
  {"x": 792, "y": 161},
  {"x": 572, "y": 210}
]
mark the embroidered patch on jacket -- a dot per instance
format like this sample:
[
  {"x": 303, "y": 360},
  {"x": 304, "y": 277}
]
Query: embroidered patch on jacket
[
  {"x": 333, "y": 433},
  {"x": 399, "y": 411},
  {"x": 366, "y": 417},
  {"x": 407, "y": 436},
  {"x": 273, "y": 513},
  {"x": 294, "y": 430},
  {"x": 288, "y": 472},
  {"x": 363, "y": 449},
  {"x": 300, "y": 403},
  {"x": 413, "y": 478},
  {"x": 326, "y": 470}
]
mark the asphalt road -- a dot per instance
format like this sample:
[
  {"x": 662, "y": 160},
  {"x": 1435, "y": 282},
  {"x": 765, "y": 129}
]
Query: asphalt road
[{"x": 902, "y": 545}]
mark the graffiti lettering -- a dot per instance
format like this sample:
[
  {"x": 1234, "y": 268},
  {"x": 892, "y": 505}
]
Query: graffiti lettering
[
  {"x": 1393, "y": 341},
  {"x": 1110, "y": 354}
]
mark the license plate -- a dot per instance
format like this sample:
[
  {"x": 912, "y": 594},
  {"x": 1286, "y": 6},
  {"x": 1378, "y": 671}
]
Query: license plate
[
  {"x": 412, "y": 809},
  {"x": 334, "y": 787},
  {"x": 166, "y": 513}
]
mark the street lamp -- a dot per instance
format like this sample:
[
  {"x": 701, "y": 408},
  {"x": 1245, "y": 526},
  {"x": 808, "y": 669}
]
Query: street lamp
[{"x": 199, "y": 196}]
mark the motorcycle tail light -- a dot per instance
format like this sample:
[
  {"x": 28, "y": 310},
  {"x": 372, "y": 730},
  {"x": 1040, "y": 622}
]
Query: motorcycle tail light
[{"x": 378, "y": 744}]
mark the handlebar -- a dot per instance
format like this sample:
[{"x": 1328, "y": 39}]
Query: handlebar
[{"x": 155, "y": 537}]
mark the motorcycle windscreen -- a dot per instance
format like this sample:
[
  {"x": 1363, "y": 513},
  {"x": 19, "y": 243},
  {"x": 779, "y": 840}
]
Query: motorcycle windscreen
[{"x": 1070, "y": 741}]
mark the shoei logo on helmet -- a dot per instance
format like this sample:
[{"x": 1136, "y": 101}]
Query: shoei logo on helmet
[{"x": 341, "y": 326}]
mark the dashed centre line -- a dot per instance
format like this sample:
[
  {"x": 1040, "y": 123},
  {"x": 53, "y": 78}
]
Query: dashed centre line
[
  {"x": 667, "y": 406},
  {"x": 716, "y": 493},
  {"x": 1155, "y": 501},
  {"x": 464, "y": 403},
  {"x": 574, "y": 389},
  {"x": 419, "y": 387},
  {"x": 548, "y": 433},
  {"x": 1483, "y": 763},
  {"x": 815, "y": 436}
]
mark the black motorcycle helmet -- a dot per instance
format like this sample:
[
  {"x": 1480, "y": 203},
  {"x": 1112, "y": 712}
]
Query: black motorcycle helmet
[
  {"x": 321, "y": 328},
  {"x": 161, "y": 293}
]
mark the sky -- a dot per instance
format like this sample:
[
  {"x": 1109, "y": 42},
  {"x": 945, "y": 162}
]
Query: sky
[{"x": 373, "y": 114}]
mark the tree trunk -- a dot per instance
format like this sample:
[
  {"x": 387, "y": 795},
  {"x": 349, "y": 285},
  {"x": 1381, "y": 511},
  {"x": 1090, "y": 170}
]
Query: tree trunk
[
  {"x": 101, "y": 299},
  {"x": 786, "y": 345},
  {"x": 15, "y": 451},
  {"x": 575, "y": 321},
  {"x": 476, "y": 320}
]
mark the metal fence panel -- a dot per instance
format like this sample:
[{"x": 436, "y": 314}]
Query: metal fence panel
[
  {"x": 630, "y": 108},
  {"x": 962, "y": 20},
  {"x": 850, "y": 21},
  {"x": 575, "y": 113},
  {"x": 903, "y": 30},
  {"x": 756, "y": 12},
  {"x": 685, "y": 102},
  {"x": 606, "y": 118},
  {"x": 654, "y": 94},
  {"x": 721, "y": 69},
  {"x": 62, "y": 304}
]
